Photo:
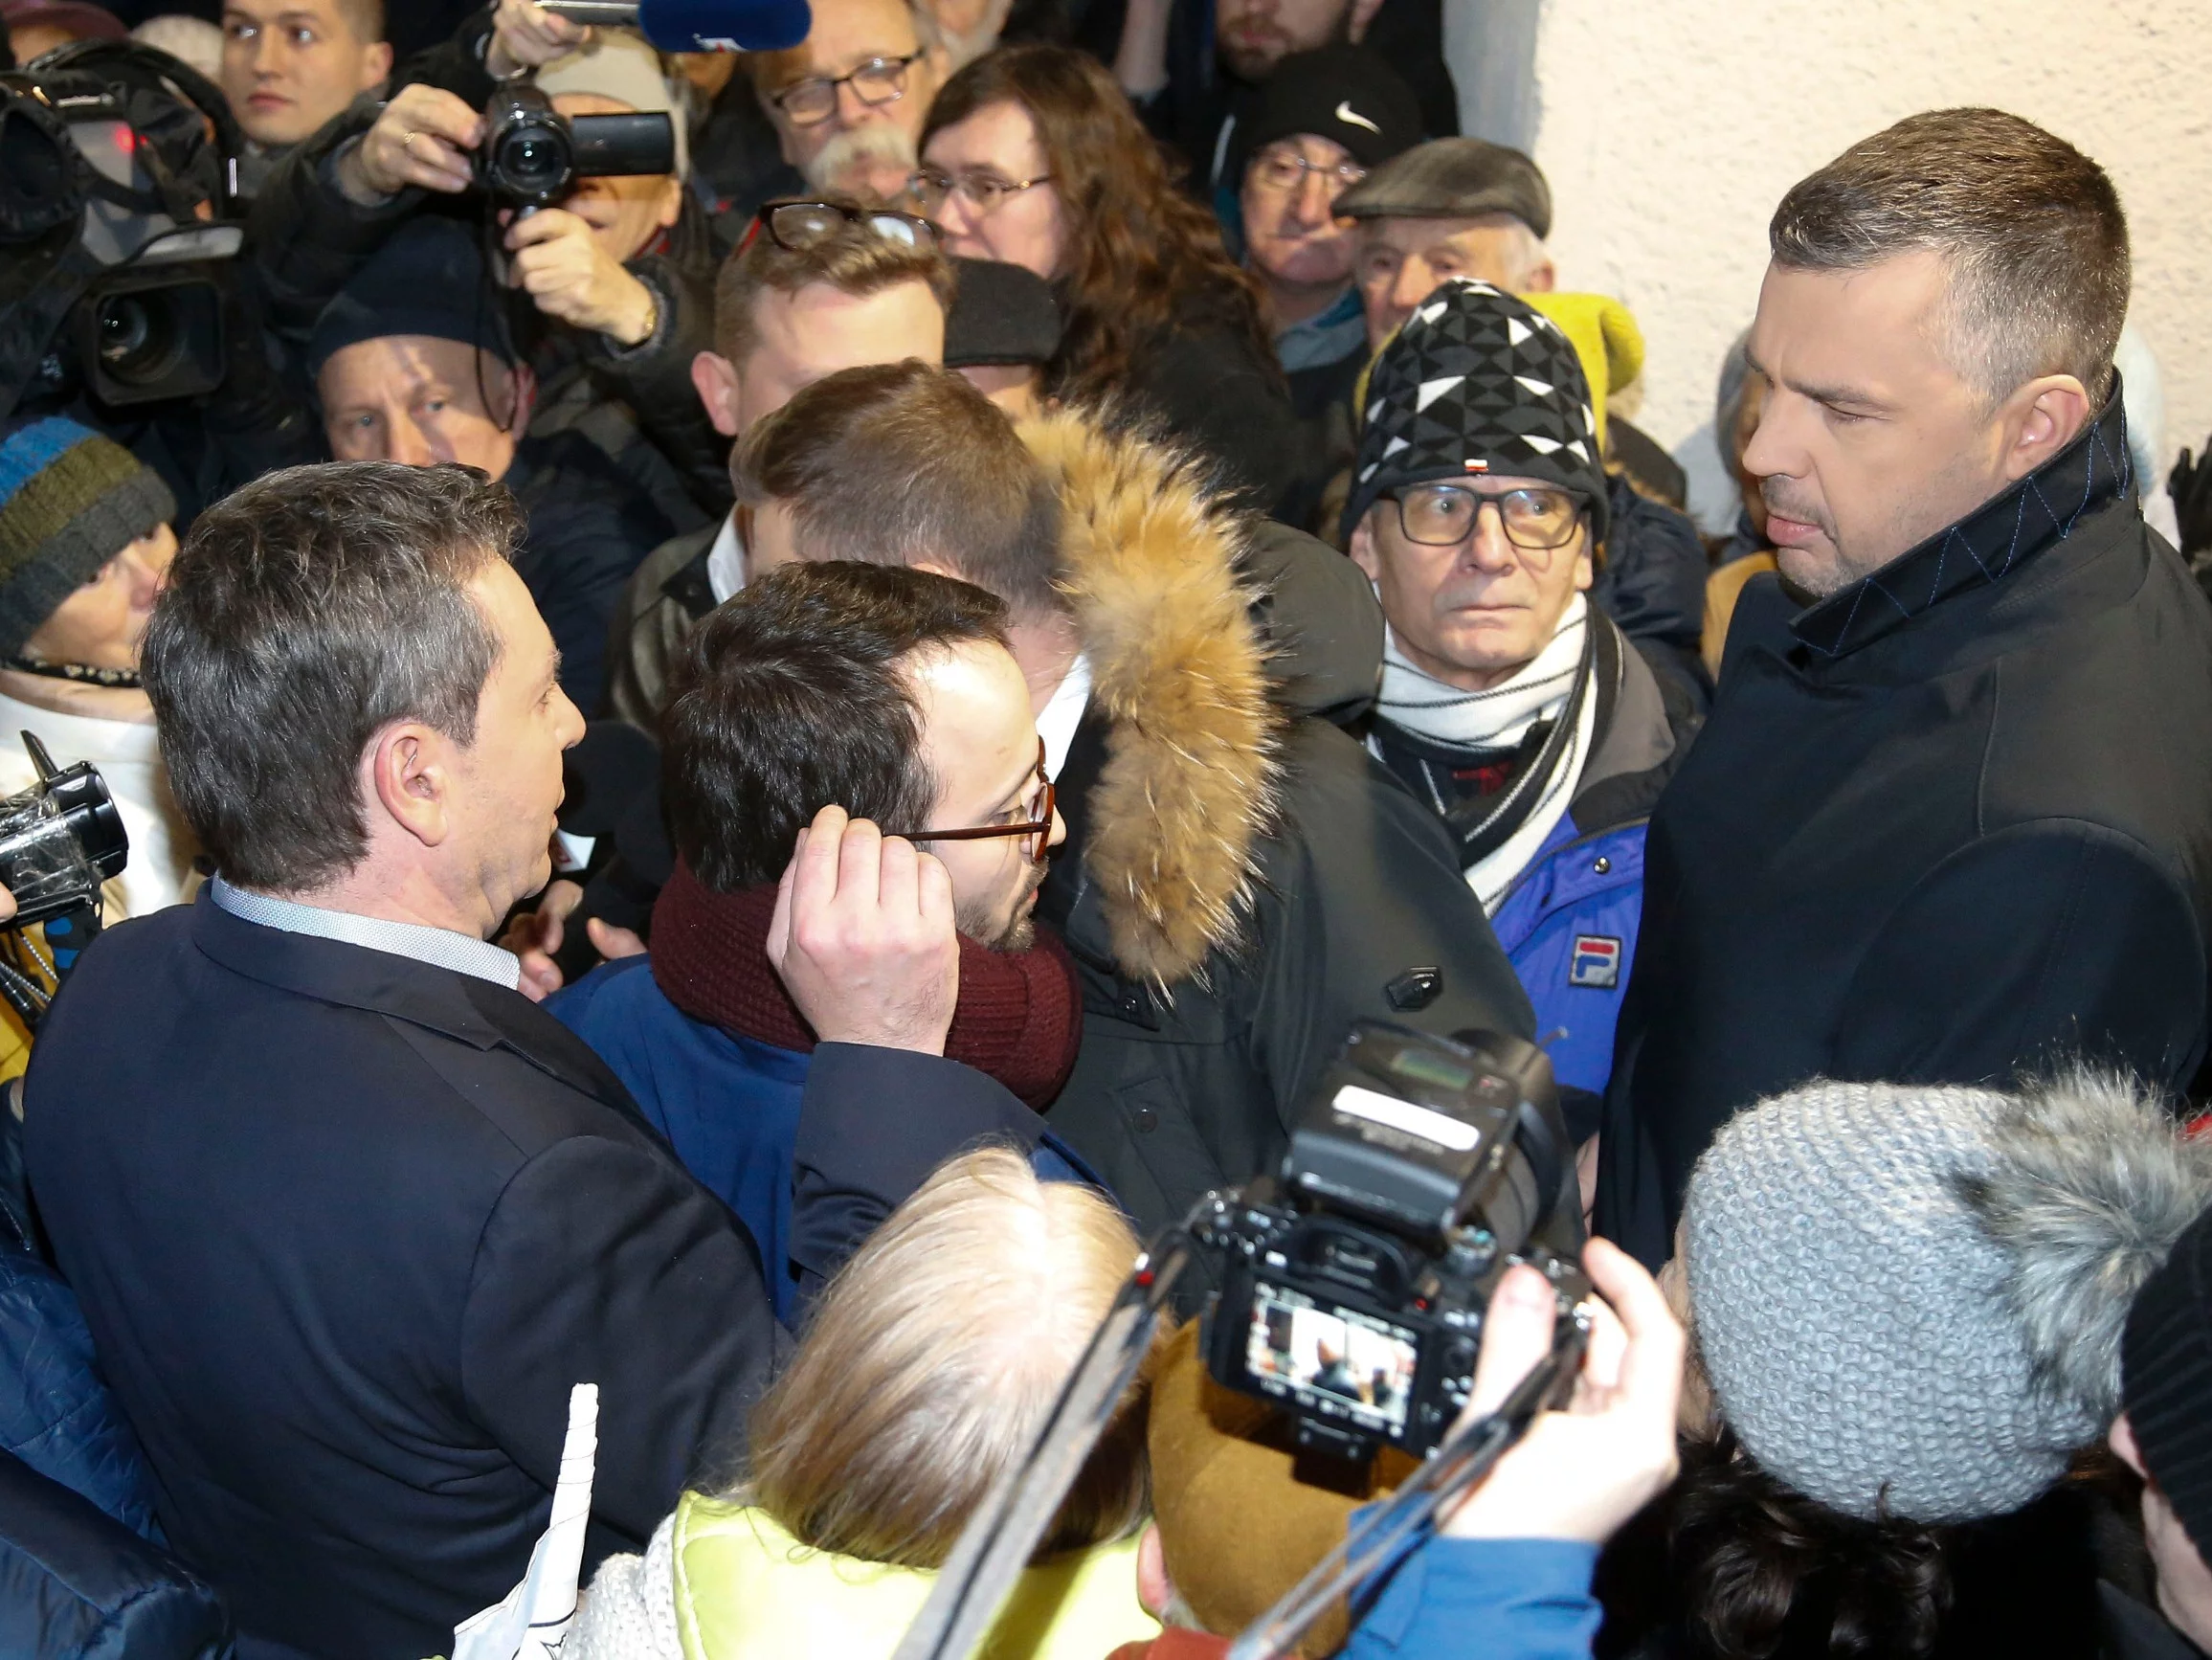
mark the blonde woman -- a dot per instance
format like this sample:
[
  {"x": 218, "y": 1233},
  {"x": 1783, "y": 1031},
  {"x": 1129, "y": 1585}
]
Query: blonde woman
[{"x": 928, "y": 1363}]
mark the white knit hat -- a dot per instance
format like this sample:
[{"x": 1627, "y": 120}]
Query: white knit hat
[
  {"x": 619, "y": 65},
  {"x": 1908, "y": 1298}
]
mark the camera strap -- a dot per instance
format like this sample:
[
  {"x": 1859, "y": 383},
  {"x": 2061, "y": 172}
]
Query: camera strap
[
  {"x": 1000, "y": 1538},
  {"x": 1386, "y": 1532}
]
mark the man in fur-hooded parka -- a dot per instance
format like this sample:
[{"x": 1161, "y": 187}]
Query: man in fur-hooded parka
[{"x": 1240, "y": 880}]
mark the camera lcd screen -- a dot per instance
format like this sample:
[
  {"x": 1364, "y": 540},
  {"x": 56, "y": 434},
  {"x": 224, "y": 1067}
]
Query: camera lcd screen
[{"x": 1329, "y": 1359}]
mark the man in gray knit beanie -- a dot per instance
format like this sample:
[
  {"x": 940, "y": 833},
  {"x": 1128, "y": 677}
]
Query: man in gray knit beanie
[{"x": 1909, "y": 1299}]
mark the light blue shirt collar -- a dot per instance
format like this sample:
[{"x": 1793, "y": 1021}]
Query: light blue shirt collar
[{"x": 439, "y": 947}]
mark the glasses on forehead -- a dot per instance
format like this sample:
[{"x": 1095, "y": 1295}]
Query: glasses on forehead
[
  {"x": 985, "y": 193},
  {"x": 880, "y": 80},
  {"x": 1535, "y": 518},
  {"x": 1286, "y": 170},
  {"x": 1034, "y": 825},
  {"x": 799, "y": 225}
]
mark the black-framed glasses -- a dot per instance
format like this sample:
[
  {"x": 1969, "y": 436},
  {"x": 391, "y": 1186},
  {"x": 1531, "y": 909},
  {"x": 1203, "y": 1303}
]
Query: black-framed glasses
[
  {"x": 1285, "y": 170},
  {"x": 1536, "y": 517},
  {"x": 1040, "y": 827},
  {"x": 985, "y": 193},
  {"x": 800, "y": 225},
  {"x": 880, "y": 80}
]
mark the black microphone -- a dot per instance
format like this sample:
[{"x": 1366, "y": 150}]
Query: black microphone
[{"x": 698, "y": 25}]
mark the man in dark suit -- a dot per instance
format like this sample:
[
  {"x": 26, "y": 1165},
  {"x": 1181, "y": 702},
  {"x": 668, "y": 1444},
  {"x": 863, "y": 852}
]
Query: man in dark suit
[
  {"x": 349, "y": 1215},
  {"x": 1951, "y": 815}
]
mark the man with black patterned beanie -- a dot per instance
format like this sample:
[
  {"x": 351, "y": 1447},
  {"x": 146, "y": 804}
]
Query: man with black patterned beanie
[
  {"x": 2165, "y": 1436},
  {"x": 1509, "y": 704}
]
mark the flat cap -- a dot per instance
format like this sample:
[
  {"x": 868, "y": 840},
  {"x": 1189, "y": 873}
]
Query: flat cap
[{"x": 1457, "y": 178}]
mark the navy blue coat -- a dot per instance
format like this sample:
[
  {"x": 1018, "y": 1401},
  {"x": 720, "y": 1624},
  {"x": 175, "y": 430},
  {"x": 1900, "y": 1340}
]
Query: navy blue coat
[{"x": 346, "y": 1227}]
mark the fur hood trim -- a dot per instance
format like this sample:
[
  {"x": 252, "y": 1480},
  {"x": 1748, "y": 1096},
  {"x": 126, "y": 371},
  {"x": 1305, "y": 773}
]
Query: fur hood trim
[
  {"x": 2092, "y": 1184},
  {"x": 1193, "y": 774}
]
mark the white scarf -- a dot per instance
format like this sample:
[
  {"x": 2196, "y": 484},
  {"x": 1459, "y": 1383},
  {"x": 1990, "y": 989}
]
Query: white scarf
[{"x": 1500, "y": 718}]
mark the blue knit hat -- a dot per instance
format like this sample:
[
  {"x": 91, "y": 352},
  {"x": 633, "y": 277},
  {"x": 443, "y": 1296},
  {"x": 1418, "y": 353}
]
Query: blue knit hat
[{"x": 70, "y": 501}]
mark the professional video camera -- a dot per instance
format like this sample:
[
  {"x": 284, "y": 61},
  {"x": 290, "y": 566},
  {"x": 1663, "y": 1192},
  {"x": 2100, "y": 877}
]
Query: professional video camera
[
  {"x": 532, "y": 155},
  {"x": 1355, "y": 1284},
  {"x": 1352, "y": 1296},
  {"x": 117, "y": 209}
]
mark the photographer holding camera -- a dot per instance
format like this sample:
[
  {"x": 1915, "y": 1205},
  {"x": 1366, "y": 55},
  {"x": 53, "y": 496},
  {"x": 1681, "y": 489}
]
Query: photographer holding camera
[{"x": 616, "y": 262}]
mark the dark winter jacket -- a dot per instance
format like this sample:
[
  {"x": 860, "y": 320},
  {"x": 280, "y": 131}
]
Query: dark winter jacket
[
  {"x": 589, "y": 528},
  {"x": 76, "y": 1584},
  {"x": 1953, "y": 821},
  {"x": 1240, "y": 880},
  {"x": 1212, "y": 389}
]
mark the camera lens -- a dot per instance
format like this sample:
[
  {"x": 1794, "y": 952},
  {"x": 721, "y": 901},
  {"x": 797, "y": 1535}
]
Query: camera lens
[
  {"x": 136, "y": 342},
  {"x": 534, "y": 163}
]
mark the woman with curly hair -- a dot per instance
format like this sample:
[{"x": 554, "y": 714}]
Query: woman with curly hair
[{"x": 1032, "y": 156}]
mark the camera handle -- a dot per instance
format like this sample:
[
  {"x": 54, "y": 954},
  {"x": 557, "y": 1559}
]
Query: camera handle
[
  {"x": 1002, "y": 1535},
  {"x": 1409, "y": 1515}
]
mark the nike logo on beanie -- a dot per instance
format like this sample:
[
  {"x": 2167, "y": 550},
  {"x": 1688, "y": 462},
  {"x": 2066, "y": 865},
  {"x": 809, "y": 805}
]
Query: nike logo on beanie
[{"x": 1351, "y": 117}]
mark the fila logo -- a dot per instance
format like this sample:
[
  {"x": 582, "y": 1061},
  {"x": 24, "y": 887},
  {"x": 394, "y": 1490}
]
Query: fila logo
[
  {"x": 1596, "y": 963},
  {"x": 1351, "y": 117}
]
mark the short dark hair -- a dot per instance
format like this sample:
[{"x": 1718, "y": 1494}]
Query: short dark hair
[
  {"x": 791, "y": 697},
  {"x": 304, "y": 614},
  {"x": 898, "y": 462},
  {"x": 2030, "y": 229},
  {"x": 853, "y": 259}
]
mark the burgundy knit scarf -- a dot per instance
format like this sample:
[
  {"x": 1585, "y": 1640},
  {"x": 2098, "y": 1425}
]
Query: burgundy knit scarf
[{"x": 1019, "y": 1017}]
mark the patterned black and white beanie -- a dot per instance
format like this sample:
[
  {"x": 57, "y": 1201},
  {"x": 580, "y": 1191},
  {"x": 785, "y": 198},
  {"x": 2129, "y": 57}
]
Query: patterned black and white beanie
[{"x": 1477, "y": 382}]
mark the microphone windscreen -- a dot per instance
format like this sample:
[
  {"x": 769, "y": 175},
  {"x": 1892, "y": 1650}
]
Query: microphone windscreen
[{"x": 725, "y": 25}]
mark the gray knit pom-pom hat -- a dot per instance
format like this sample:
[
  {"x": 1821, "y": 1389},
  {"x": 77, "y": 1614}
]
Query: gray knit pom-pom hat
[{"x": 1908, "y": 1298}]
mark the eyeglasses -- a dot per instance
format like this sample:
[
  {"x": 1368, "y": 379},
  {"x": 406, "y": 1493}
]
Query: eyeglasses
[
  {"x": 1443, "y": 515},
  {"x": 1285, "y": 170},
  {"x": 1040, "y": 827},
  {"x": 985, "y": 193},
  {"x": 802, "y": 225},
  {"x": 880, "y": 80}
]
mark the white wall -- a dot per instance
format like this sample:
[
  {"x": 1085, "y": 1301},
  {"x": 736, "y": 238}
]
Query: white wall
[{"x": 1671, "y": 128}]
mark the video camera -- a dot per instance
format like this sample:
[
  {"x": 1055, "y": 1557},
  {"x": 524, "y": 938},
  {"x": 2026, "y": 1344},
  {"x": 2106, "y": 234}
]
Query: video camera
[
  {"x": 1355, "y": 1282},
  {"x": 118, "y": 224},
  {"x": 532, "y": 155},
  {"x": 59, "y": 840}
]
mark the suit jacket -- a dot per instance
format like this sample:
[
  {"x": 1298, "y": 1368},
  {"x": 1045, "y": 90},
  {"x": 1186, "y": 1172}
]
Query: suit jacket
[
  {"x": 346, "y": 1227},
  {"x": 1952, "y": 821}
]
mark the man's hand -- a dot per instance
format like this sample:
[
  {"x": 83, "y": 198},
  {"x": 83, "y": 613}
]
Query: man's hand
[
  {"x": 423, "y": 138},
  {"x": 863, "y": 937},
  {"x": 560, "y": 264},
  {"x": 526, "y": 37},
  {"x": 535, "y": 936},
  {"x": 1579, "y": 1474}
]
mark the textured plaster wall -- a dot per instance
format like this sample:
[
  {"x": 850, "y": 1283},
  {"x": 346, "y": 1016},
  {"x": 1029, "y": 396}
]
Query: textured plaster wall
[{"x": 1671, "y": 128}]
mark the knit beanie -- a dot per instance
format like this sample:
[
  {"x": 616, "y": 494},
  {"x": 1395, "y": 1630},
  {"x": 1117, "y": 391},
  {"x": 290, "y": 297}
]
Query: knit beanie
[
  {"x": 1000, "y": 314},
  {"x": 428, "y": 278},
  {"x": 2166, "y": 1368},
  {"x": 70, "y": 501},
  {"x": 1477, "y": 381},
  {"x": 1607, "y": 342},
  {"x": 618, "y": 65},
  {"x": 1908, "y": 1298}
]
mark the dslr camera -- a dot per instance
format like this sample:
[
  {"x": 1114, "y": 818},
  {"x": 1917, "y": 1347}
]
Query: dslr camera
[
  {"x": 1354, "y": 1281},
  {"x": 532, "y": 155},
  {"x": 119, "y": 222}
]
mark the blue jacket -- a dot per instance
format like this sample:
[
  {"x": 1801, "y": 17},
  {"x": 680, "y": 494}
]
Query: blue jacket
[
  {"x": 1501, "y": 1599},
  {"x": 728, "y": 1104}
]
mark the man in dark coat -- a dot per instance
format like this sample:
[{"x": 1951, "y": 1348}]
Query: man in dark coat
[
  {"x": 348, "y": 1215},
  {"x": 1952, "y": 816}
]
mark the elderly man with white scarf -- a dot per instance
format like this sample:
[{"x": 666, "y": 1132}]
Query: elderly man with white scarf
[{"x": 1509, "y": 702}]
